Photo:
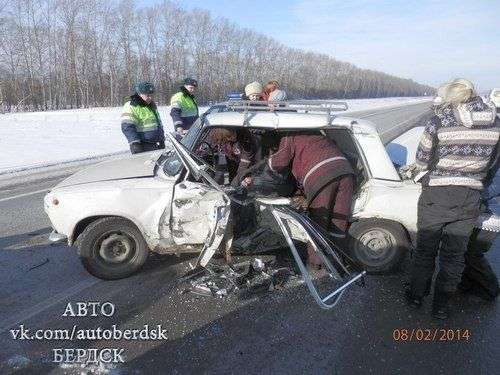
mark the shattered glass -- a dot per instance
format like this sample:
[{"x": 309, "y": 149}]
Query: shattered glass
[{"x": 241, "y": 280}]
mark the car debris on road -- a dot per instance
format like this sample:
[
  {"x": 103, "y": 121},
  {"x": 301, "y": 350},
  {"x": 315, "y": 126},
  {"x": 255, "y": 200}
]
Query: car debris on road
[{"x": 242, "y": 279}]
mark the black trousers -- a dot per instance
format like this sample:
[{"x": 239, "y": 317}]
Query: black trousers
[
  {"x": 446, "y": 218},
  {"x": 478, "y": 273}
]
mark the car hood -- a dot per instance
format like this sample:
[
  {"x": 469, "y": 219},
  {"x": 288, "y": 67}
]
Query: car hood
[
  {"x": 132, "y": 166},
  {"x": 403, "y": 149}
]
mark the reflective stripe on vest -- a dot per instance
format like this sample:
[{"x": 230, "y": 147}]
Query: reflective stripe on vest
[
  {"x": 186, "y": 104},
  {"x": 142, "y": 117}
]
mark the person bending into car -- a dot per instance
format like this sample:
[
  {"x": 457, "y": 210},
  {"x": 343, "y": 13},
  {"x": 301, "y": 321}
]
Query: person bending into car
[
  {"x": 325, "y": 176},
  {"x": 456, "y": 150},
  {"x": 140, "y": 120},
  {"x": 237, "y": 150}
]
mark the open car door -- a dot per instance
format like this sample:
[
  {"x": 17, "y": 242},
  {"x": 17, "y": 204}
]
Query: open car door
[
  {"x": 200, "y": 208},
  {"x": 209, "y": 199}
]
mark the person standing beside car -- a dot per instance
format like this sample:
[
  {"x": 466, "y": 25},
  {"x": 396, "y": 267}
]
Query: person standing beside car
[
  {"x": 478, "y": 277},
  {"x": 184, "y": 110},
  {"x": 269, "y": 88},
  {"x": 456, "y": 149},
  {"x": 140, "y": 120},
  {"x": 253, "y": 91}
]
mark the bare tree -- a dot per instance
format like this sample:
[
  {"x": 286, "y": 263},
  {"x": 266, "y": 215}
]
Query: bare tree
[{"x": 81, "y": 53}]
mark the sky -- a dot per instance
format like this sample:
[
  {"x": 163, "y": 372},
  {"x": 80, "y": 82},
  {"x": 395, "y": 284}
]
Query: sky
[{"x": 430, "y": 42}]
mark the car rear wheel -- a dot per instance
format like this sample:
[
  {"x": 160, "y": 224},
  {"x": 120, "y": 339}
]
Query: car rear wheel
[
  {"x": 112, "y": 248},
  {"x": 379, "y": 245}
]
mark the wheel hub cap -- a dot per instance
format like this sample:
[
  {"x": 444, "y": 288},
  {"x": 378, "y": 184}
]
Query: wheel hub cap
[
  {"x": 115, "y": 248},
  {"x": 377, "y": 242}
]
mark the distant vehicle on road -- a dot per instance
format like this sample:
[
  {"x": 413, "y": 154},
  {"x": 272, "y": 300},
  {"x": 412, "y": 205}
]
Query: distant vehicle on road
[{"x": 495, "y": 97}]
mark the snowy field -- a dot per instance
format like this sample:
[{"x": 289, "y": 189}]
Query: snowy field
[{"x": 39, "y": 139}]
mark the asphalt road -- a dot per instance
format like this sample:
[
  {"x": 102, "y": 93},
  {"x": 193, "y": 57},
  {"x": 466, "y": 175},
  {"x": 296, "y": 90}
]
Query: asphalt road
[{"x": 279, "y": 332}]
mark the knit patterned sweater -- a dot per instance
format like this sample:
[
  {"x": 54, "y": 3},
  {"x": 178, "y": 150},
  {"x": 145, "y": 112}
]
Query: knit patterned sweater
[{"x": 458, "y": 144}]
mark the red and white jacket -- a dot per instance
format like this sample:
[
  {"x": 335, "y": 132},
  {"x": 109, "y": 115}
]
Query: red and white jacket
[{"x": 315, "y": 161}]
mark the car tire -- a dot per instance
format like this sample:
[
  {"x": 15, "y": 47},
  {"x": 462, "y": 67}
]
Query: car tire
[
  {"x": 379, "y": 245},
  {"x": 112, "y": 248}
]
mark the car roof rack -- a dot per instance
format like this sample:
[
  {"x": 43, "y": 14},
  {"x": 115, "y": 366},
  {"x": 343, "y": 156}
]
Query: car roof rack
[
  {"x": 300, "y": 105},
  {"x": 328, "y": 107}
]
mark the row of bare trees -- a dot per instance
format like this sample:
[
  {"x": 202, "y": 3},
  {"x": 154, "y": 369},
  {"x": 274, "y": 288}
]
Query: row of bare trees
[{"x": 82, "y": 53}]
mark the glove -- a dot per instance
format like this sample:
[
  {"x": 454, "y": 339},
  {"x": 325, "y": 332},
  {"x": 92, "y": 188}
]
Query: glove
[
  {"x": 136, "y": 148},
  {"x": 161, "y": 144},
  {"x": 409, "y": 171}
]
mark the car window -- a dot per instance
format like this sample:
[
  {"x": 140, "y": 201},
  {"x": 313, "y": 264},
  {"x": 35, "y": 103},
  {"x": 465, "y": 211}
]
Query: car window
[
  {"x": 196, "y": 166},
  {"x": 170, "y": 160}
]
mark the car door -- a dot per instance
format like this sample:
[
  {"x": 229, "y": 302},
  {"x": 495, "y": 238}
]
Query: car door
[{"x": 200, "y": 208}]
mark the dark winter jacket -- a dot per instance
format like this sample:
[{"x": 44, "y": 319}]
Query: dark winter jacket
[
  {"x": 458, "y": 144},
  {"x": 141, "y": 122},
  {"x": 491, "y": 193},
  {"x": 314, "y": 159},
  {"x": 184, "y": 110}
]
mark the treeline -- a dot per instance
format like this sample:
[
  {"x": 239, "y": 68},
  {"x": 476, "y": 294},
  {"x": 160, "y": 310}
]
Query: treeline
[{"x": 82, "y": 53}]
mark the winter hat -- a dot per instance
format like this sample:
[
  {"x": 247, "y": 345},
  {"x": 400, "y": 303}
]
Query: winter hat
[
  {"x": 144, "y": 88},
  {"x": 271, "y": 86},
  {"x": 455, "y": 92},
  {"x": 254, "y": 88},
  {"x": 274, "y": 82},
  {"x": 190, "y": 82},
  {"x": 277, "y": 95}
]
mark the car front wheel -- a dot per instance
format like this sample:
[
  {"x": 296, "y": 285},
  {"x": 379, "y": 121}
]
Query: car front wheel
[
  {"x": 379, "y": 245},
  {"x": 112, "y": 248}
]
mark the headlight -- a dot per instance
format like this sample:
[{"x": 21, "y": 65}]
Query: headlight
[{"x": 50, "y": 200}]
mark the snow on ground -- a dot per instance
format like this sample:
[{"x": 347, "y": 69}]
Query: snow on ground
[{"x": 38, "y": 139}]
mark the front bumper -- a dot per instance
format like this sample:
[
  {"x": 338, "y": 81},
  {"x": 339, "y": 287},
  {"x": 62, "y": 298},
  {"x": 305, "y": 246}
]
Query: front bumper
[{"x": 55, "y": 237}]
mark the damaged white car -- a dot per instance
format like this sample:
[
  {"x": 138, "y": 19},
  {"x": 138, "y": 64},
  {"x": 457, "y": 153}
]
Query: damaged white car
[
  {"x": 168, "y": 202},
  {"x": 118, "y": 210}
]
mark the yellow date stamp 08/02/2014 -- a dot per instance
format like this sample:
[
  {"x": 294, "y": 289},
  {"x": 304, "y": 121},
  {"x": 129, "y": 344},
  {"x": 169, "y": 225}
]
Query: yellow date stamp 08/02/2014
[{"x": 430, "y": 334}]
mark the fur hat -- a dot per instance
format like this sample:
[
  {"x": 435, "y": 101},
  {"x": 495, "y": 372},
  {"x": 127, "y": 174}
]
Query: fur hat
[
  {"x": 455, "y": 92},
  {"x": 253, "y": 88}
]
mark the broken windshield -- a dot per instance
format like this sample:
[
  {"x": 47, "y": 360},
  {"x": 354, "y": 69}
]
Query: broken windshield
[{"x": 172, "y": 164}]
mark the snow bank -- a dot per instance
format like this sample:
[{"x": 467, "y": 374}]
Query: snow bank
[{"x": 38, "y": 139}]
